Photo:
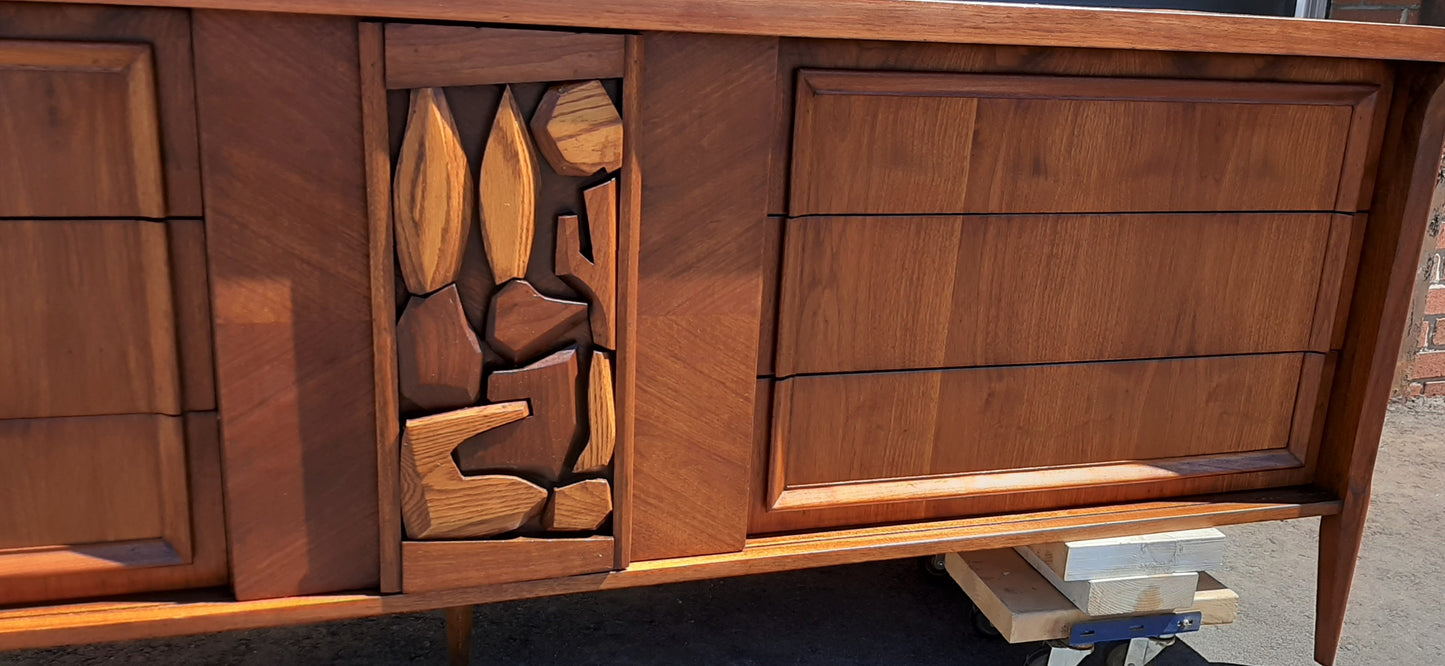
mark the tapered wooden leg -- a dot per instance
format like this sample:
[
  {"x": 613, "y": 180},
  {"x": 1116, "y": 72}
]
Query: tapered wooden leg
[
  {"x": 1340, "y": 537},
  {"x": 459, "y": 635}
]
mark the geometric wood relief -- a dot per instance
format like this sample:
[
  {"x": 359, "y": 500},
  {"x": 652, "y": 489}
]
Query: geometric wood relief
[
  {"x": 432, "y": 195},
  {"x": 439, "y": 361},
  {"x": 437, "y": 501},
  {"x": 595, "y": 276},
  {"x": 524, "y": 324},
  {"x": 521, "y": 463},
  {"x": 601, "y": 417},
  {"x": 538, "y": 445},
  {"x": 508, "y": 192},
  {"x": 578, "y": 129},
  {"x": 579, "y": 506}
]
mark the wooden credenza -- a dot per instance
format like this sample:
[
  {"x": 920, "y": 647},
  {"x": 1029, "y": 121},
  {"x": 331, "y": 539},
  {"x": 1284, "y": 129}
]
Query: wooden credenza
[{"x": 378, "y": 308}]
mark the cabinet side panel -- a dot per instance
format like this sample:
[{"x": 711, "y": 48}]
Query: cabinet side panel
[
  {"x": 280, "y": 117},
  {"x": 706, "y": 107}
]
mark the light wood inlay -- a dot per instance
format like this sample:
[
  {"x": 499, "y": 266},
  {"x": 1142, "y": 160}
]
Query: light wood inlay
[
  {"x": 508, "y": 193},
  {"x": 601, "y": 417},
  {"x": 580, "y": 506},
  {"x": 594, "y": 276},
  {"x": 578, "y": 129},
  {"x": 432, "y": 194}
]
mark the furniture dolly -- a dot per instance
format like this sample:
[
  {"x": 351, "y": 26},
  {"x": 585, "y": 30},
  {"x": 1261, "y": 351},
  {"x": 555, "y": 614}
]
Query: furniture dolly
[{"x": 319, "y": 309}]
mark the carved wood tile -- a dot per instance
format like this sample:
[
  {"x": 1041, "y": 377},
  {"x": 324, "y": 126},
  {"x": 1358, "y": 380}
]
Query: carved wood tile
[
  {"x": 537, "y": 446},
  {"x": 524, "y": 323},
  {"x": 432, "y": 195},
  {"x": 595, "y": 277},
  {"x": 508, "y": 192},
  {"x": 437, "y": 501},
  {"x": 439, "y": 360},
  {"x": 578, "y": 129},
  {"x": 601, "y": 417},
  {"x": 580, "y": 506}
]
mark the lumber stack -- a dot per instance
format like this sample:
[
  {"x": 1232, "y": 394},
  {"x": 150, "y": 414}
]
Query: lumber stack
[{"x": 1035, "y": 593}]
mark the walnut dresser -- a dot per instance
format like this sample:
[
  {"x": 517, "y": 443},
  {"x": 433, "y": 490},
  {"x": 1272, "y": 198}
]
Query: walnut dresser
[{"x": 379, "y": 306}]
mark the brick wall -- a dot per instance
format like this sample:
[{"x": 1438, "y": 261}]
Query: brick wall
[{"x": 1376, "y": 11}]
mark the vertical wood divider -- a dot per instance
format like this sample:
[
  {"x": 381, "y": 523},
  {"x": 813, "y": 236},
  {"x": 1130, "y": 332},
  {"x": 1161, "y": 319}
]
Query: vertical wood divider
[
  {"x": 629, "y": 215},
  {"x": 376, "y": 147}
]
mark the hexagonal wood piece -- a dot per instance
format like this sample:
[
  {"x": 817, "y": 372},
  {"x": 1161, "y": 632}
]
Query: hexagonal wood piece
[
  {"x": 437, "y": 501},
  {"x": 601, "y": 417},
  {"x": 439, "y": 360},
  {"x": 581, "y": 506},
  {"x": 524, "y": 323},
  {"x": 538, "y": 445},
  {"x": 578, "y": 129}
]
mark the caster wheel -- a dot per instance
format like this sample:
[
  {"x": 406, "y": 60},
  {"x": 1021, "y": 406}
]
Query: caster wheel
[
  {"x": 981, "y": 623},
  {"x": 1040, "y": 658},
  {"x": 933, "y": 565}
]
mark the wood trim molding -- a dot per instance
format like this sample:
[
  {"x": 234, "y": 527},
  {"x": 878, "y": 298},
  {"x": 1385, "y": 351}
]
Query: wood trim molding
[
  {"x": 901, "y": 20},
  {"x": 114, "y": 621}
]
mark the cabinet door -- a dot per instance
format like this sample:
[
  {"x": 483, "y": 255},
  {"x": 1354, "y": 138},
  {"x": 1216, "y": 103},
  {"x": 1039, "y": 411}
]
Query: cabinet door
[{"x": 111, "y": 478}]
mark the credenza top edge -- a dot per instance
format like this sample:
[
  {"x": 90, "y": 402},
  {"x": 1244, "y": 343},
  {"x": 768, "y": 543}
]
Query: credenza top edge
[{"x": 948, "y": 21}]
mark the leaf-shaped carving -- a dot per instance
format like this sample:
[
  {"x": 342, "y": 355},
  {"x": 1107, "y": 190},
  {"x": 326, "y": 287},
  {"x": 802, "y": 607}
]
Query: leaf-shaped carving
[
  {"x": 437, "y": 501},
  {"x": 431, "y": 195},
  {"x": 508, "y": 189}
]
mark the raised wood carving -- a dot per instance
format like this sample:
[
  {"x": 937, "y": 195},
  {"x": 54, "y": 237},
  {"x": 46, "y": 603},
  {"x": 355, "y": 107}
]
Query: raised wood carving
[
  {"x": 432, "y": 195},
  {"x": 578, "y": 129},
  {"x": 601, "y": 417},
  {"x": 538, "y": 445},
  {"x": 437, "y": 501},
  {"x": 579, "y": 506},
  {"x": 594, "y": 276},
  {"x": 508, "y": 192},
  {"x": 524, "y": 323},
  {"x": 439, "y": 360}
]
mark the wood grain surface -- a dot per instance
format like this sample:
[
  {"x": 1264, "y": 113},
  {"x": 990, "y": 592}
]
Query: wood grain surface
[
  {"x": 452, "y": 55},
  {"x": 580, "y": 506},
  {"x": 888, "y": 142},
  {"x": 508, "y": 182},
  {"x": 437, "y": 501},
  {"x": 970, "y": 22},
  {"x": 439, "y": 359},
  {"x": 168, "y": 33},
  {"x": 201, "y": 613},
  {"x": 385, "y": 276},
  {"x": 594, "y": 273},
  {"x": 447, "y": 565},
  {"x": 796, "y": 54},
  {"x": 43, "y": 576},
  {"x": 538, "y": 445},
  {"x": 523, "y": 324},
  {"x": 192, "y": 304},
  {"x": 1392, "y": 246},
  {"x": 860, "y": 293},
  {"x": 578, "y": 129},
  {"x": 81, "y": 137},
  {"x": 704, "y": 199},
  {"x": 433, "y": 195},
  {"x": 293, "y": 318},
  {"x": 601, "y": 417},
  {"x": 90, "y": 319},
  {"x": 837, "y": 430}
]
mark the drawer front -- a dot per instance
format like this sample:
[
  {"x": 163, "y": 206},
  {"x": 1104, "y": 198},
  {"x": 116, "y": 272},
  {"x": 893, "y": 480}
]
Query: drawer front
[
  {"x": 893, "y": 293},
  {"x": 898, "y": 143},
  {"x": 849, "y": 439}
]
